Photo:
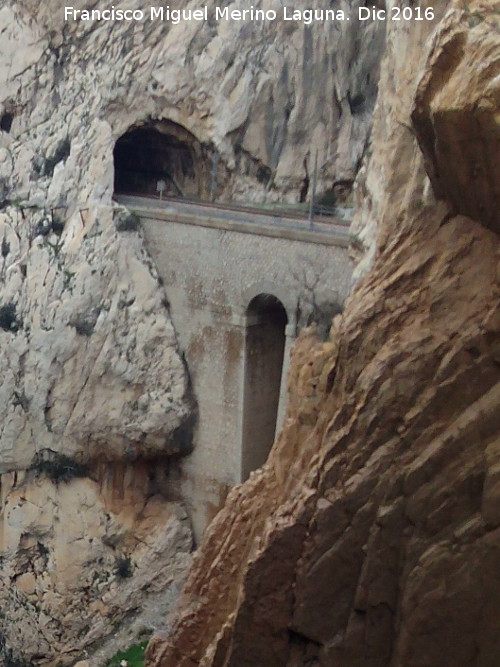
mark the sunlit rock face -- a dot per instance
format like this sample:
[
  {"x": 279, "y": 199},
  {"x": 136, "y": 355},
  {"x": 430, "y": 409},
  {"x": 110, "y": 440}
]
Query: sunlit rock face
[
  {"x": 371, "y": 536},
  {"x": 95, "y": 407}
]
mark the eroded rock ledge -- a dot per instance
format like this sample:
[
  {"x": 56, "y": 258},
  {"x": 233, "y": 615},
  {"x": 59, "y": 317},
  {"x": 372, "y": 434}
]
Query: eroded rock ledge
[{"x": 372, "y": 535}]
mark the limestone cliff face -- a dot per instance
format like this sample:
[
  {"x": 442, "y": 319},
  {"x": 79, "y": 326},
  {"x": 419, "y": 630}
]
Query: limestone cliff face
[
  {"x": 264, "y": 97},
  {"x": 371, "y": 537},
  {"x": 94, "y": 396}
]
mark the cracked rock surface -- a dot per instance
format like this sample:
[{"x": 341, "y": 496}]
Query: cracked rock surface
[
  {"x": 94, "y": 399},
  {"x": 371, "y": 537}
]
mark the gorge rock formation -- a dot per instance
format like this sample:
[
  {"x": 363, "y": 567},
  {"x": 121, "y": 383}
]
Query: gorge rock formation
[
  {"x": 95, "y": 403},
  {"x": 372, "y": 535},
  {"x": 218, "y": 81}
]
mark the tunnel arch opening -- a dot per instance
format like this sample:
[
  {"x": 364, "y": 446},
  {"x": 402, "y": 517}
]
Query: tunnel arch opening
[
  {"x": 266, "y": 321},
  {"x": 161, "y": 159}
]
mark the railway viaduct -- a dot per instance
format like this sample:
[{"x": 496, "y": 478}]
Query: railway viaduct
[{"x": 240, "y": 286}]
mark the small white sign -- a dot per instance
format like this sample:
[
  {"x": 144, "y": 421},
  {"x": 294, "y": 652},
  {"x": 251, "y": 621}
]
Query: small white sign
[{"x": 161, "y": 187}]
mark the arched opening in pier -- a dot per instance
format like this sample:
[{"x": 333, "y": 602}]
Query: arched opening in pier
[
  {"x": 160, "y": 159},
  {"x": 264, "y": 355}
]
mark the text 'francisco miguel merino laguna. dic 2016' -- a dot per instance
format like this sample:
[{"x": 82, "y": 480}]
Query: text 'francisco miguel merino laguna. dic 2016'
[
  {"x": 306, "y": 16},
  {"x": 176, "y": 16}
]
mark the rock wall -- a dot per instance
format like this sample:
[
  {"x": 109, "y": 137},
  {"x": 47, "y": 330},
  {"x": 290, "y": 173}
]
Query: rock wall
[
  {"x": 87, "y": 562},
  {"x": 371, "y": 536},
  {"x": 95, "y": 403},
  {"x": 94, "y": 395},
  {"x": 248, "y": 90},
  {"x": 95, "y": 406}
]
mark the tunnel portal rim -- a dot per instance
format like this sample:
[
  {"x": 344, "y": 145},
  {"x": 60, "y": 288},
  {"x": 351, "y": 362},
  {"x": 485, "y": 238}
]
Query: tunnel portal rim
[{"x": 181, "y": 138}]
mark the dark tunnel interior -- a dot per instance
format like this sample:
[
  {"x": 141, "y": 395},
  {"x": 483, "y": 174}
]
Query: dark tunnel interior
[{"x": 161, "y": 159}]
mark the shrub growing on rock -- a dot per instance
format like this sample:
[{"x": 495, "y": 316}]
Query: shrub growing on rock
[
  {"x": 59, "y": 468},
  {"x": 84, "y": 323},
  {"x": 8, "y": 319},
  {"x": 123, "y": 567},
  {"x": 127, "y": 222}
]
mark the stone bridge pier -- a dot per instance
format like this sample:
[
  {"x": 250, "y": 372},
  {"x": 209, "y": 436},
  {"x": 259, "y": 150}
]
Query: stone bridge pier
[{"x": 239, "y": 291}]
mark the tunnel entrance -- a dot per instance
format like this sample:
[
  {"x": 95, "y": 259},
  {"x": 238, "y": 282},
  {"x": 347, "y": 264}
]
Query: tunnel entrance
[
  {"x": 265, "y": 346},
  {"x": 160, "y": 158}
]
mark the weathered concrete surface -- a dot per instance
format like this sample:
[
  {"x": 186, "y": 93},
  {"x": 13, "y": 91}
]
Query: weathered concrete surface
[
  {"x": 371, "y": 538},
  {"x": 210, "y": 275}
]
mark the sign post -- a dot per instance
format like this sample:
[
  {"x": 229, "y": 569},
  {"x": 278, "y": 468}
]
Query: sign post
[{"x": 313, "y": 193}]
